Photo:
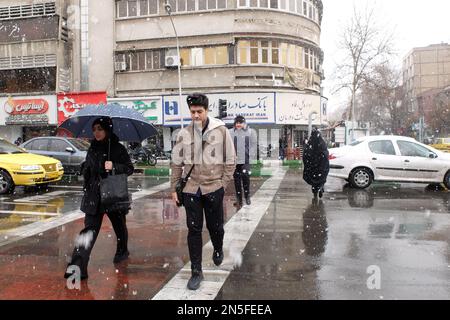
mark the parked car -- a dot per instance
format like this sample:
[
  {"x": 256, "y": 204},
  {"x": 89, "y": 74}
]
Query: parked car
[
  {"x": 70, "y": 151},
  {"x": 389, "y": 158},
  {"x": 20, "y": 168},
  {"x": 442, "y": 144}
]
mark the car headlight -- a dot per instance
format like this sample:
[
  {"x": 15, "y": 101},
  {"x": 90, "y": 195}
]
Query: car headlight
[
  {"x": 60, "y": 166},
  {"x": 30, "y": 168}
]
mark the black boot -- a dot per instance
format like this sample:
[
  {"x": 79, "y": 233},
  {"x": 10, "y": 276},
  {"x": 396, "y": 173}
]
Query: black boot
[
  {"x": 217, "y": 257},
  {"x": 121, "y": 254},
  {"x": 321, "y": 191},
  {"x": 195, "y": 280},
  {"x": 247, "y": 201}
]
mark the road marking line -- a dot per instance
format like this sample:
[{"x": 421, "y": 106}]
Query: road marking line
[
  {"x": 29, "y": 213},
  {"x": 42, "y": 226},
  {"x": 238, "y": 231}
]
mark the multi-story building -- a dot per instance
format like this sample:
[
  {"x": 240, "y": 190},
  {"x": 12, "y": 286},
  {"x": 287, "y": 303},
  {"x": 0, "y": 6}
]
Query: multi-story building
[
  {"x": 35, "y": 63},
  {"x": 426, "y": 71},
  {"x": 262, "y": 56}
]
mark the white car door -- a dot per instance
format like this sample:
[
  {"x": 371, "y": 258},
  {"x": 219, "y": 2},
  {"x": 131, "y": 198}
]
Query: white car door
[
  {"x": 385, "y": 160},
  {"x": 418, "y": 164}
]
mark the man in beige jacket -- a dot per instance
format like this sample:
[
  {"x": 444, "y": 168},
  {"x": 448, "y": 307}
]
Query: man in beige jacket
[{"x": 206, "y": 147}]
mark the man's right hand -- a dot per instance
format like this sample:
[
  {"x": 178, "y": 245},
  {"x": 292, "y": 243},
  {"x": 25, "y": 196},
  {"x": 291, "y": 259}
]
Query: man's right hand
[{"x": 175, "y": 197}]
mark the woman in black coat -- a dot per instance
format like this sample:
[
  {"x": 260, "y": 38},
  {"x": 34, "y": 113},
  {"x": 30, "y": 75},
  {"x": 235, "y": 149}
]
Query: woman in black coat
[
  {"x": 316, "y": 163},
  {"x": 98, "y": 166}
]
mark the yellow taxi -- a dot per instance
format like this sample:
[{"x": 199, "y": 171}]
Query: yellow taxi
[
  {"x": 20, "y": 168},
  {"x": 442, "y": 144}
]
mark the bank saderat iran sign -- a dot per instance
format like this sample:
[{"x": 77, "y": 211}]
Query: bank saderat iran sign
[
  {"x": 258, "y": 108},
  {"x": 30, "y": 110}
]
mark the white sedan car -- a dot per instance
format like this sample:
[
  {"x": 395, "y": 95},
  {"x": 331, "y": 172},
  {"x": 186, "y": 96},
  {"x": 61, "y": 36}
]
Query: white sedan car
[{"x": 389, "y": 158}]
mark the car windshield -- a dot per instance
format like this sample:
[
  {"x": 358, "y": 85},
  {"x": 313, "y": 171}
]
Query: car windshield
[
  {"x": 81, "y": 145},
  {"x": 9, "y": 148}
]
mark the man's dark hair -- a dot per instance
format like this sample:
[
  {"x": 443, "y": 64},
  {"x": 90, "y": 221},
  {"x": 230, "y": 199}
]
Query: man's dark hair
[
  {"x": 239, "y": 119},
  {"x": 198, "y": 99}
]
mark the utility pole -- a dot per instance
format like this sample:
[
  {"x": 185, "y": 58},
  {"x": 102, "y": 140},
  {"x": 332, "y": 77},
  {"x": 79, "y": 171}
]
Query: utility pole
[{"x": 169, "y": 12}]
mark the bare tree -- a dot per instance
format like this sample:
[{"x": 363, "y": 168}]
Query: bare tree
[
  {"x": 440, "y": 116},
  {"x": 382, "y": 99},
  {"x": 364, "y": 43}
]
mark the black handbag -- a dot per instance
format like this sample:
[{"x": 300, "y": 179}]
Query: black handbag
[
  {"x": 114, "y": 190},
  {"x": 180, "y": 186}
]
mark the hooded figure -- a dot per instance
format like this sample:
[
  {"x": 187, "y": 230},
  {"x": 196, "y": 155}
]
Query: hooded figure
[
  {"x": 105, "y": 154},
  {"x": 316, "y": 163}
]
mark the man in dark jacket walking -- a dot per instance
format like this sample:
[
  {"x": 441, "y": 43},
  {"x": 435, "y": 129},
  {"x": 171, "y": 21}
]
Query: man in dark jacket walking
[
  {"x": 316, "y": 163},
  {"x": 206, "y": 148},
  {"x": 245, "y": 141},
  {"x": 104, "y": 155}
]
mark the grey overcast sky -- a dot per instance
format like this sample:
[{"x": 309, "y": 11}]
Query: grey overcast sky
[{"x": 417, "y": 23}]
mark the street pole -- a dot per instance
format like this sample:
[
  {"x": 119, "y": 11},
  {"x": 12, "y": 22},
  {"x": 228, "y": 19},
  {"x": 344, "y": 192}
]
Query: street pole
[
  {"x": 169, "y": 12},
  {"x": 353, "y": 117},
  {"x": 310, "y": 122}
]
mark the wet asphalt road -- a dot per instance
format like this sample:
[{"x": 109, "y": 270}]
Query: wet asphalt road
[{"x": 301, "y": 249}]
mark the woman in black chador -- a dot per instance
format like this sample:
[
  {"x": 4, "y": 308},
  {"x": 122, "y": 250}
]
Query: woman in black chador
[
  {"x": 98, "y": 165},
  {"x": 316, "y": 163}
]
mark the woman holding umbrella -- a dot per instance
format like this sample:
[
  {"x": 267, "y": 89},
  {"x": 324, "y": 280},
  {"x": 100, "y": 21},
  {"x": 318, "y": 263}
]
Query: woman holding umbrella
[{"x": 104, "y": 155}]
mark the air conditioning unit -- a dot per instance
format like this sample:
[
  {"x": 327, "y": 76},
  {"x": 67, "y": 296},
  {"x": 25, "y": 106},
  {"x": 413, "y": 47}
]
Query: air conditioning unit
[
  {"x": 120, "y": 66},
  {"x": 172, "y": 61}
]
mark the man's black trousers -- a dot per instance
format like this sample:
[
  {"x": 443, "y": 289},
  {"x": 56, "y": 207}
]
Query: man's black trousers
[
  {"x": 242, "y": 177},
  {"x": 212, "y": 206}
]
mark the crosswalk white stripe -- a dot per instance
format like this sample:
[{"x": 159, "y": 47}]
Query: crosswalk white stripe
[{"x": 238, "y": 231}]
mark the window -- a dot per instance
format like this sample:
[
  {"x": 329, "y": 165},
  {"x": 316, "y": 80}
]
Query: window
[
  {"x": 143, "y": 7},
  {"x": 57, "y": 145},
  {"x": 411, "y": 149},
  {"x": 185, "y": 55},
  {"x": 181, "y": 5},
  {"x": 201, "y": 4},
  {"x": 135, "y": 8},
  {"x": 40, "y": 145},
  {"x": 263, "y": 3},
  {"x": 274, "y": 4},
  {"x": 299, "y": 6},
  {"x": 216, "y": 55},
  {"x": 132, "y": 8},
  {"x": 243, "y": 51},
  {"x": 141, "y": 60},
  {"x": 254, "y": 51},
  {"x": 212, "y": 4},
  {"x": 275, "y": 53},
  {"x": 197, "y": 56},
  {"x": 191, "y": 5},
  {"x": 81, "y": 145},
  {"x": 122, "y": 8},
  {"x": 221, "y": 4},
  {"x": 382, "y": 147}
]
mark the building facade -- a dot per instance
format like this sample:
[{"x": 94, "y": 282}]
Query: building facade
[
  {"x": 426, "y": 71},
  {"x": 262, "y": 56}
]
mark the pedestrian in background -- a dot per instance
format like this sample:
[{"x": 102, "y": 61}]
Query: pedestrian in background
[
  {"x": 205, "y": 189},
  {"x": 245, "y": 141},
  {"x": 104, "y": 155},
  {"x": 316, "y": 164}
]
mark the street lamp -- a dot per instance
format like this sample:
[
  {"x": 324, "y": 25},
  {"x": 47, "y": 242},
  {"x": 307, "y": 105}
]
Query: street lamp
[
  {"x": 310, "y": 120},
  {"x": 168, "y": 9}
]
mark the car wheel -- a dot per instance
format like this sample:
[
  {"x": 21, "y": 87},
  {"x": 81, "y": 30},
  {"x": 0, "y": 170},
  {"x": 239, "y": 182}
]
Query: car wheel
[
  {"x": 6, "y": 182},
  {"x": 361, "y": 178},
  {"x": 447, "y": 180},
  {"x": 152, "y": 160}
]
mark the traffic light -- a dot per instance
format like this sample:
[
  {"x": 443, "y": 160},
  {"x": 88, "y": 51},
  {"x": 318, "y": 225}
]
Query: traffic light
[{"x": 222, "y": 109}]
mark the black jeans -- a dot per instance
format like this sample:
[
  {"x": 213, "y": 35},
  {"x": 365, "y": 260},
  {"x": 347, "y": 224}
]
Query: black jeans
[
  {"x": 212, "y": 206},
  {"x": 242, "y": 177},
  {"x": 92, "y": 224}
]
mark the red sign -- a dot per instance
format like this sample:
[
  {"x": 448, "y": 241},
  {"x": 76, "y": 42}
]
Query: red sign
[
  {"x": 26, "y": 106},
  {"x": 70, "y": 103}
]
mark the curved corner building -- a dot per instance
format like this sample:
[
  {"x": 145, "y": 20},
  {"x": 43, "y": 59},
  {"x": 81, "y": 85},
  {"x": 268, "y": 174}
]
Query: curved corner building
[{"x": 262, "y": 56}]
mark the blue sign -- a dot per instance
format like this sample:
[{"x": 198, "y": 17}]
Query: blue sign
[{"x": 171, "y": 108}]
